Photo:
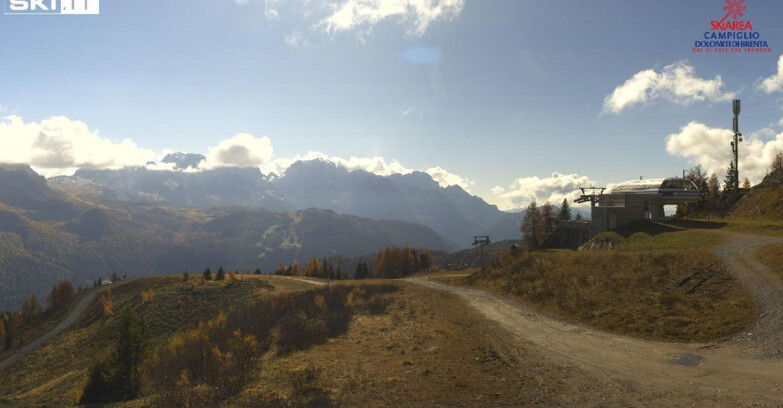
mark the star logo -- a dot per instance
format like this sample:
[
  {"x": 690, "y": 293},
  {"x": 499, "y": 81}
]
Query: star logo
[{"x": 734, "y": 9}]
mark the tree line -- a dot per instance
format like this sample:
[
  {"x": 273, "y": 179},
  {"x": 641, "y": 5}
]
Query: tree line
[
  {"x": 538, "y": 226},
  {"x": 58, "y": 299}
]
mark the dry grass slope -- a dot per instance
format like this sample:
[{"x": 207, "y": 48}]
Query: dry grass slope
[
  {"x": 660, "y": 283},
  {"x": 51, "y": 373}
]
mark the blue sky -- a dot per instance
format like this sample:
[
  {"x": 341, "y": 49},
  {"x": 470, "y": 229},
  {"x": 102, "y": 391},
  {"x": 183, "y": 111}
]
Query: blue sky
[{"x": 500, "y": 94}]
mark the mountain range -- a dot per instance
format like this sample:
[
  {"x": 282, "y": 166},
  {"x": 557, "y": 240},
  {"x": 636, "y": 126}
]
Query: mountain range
[
  {"x": 451, "y": 211},
  {"x": 73, "y": 228}
]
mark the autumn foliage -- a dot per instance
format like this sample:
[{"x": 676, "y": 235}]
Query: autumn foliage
[
  {"x": 393, "y": 263},
  {"x": 206, "y": 365}
]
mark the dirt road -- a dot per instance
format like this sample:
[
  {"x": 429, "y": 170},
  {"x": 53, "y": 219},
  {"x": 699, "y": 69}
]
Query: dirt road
[
  {"x": 75, "y": 314},
  {"x": 728, "y": 368}
]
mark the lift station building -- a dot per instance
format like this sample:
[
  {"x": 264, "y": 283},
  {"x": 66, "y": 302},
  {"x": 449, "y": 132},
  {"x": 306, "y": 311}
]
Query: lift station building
[{"x": 635, "y": 200}]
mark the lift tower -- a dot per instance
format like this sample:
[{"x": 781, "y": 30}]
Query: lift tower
[{"x": 736, "y": 107}]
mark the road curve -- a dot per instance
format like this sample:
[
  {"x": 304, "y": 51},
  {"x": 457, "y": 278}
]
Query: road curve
[
  {"x": 724, "y": 367},
  {"x": 75, "y": 314}
]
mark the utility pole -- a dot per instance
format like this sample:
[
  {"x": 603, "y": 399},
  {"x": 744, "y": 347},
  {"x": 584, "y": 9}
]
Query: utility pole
[
  {"x": 481, "y": 241},
  {"x": 736, "y": 107}
]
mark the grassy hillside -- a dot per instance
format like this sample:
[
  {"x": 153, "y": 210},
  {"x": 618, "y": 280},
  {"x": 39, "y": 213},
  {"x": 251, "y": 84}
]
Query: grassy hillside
[
  {"x": 427, "y": 349},
  {"x": 51, "y": 373},
  {"x": 661, "y": 283},
  {"x": 761, "y": 202}
]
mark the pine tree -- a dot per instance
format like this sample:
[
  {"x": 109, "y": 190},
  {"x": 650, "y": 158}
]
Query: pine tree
[
  {"x": 746, "y": 183},
  {"x": 565, "y": 211},
  {"x": 728, "y": 181},
  {"x": 548, "y": 220},
  {"x": 362, "y": 272},
  {"x": 579, "y": 217},
  {"x": 117, "y": 376},
  {"x": 530, "y": 225},
  {"x": 280, "y": 269},
  {"x": 257, "y": 271},
  {"x": 713, "y": 186},
  {"x": 207, "y": 274},
  {"x": 221, "y": 274}
]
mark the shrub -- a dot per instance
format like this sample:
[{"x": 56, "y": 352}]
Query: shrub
[
  {"x": 185, "y": 276},
  {"x": 147, "y": 296},
  {"x": 106, "y": 301}
]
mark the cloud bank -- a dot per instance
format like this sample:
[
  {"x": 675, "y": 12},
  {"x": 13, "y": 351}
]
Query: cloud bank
[
  {"x": 676, "y": 82},
  {"x": 775, "y": 82},
  {"x": 59, "y": 146},
  {"x": 554, "y": 189},
  {"x": 711, "y": 148}
]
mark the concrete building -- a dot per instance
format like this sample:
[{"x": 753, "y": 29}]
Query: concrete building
[{"x": 631, "y": 201}]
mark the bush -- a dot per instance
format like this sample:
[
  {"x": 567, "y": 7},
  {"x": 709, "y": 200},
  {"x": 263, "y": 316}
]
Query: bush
[
  {"x": 214, "y": 361},
  {"x": 106, "y": 301}
]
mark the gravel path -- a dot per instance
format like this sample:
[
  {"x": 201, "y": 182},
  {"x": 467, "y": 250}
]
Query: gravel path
[
  {"x": 739, "y": 253},
  {"x": 731, "y": 369}
]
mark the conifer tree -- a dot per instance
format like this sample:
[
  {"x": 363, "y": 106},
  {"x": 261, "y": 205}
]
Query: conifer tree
[
  {"x": 713, "y": 186},
  {"x": 746, "y": 183},
  {"x": 221, "y": 274},
  {"x": 207, "y": 274},
  {"x": 530, "y": 225},
  {"x": 565, "y": 211},
  {"x": 548, "y": 220}
]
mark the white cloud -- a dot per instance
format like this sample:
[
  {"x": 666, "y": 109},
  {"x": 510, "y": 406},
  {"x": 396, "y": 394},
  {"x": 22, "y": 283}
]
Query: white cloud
[
  {"x": 711, "y": 148},
  {"x": 676, "y": 82},
  {"x": 296, "y": 39},
  {"x": 241, "y": 2},
  {"x": 363, "y": 14},
  {"x": 446, "y": 178},
  {"x": 242, "y": 150},
  {"x": 554, "y": 189},
  {"x": 775, "y": 82},
  {"x": 59, "y": 146}
]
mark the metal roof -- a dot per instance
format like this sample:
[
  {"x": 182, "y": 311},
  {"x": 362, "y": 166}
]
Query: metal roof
[{"x": 650, "y": 185}]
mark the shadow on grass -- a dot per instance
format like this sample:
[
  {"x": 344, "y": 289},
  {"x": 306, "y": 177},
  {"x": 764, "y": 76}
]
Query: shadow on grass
[{"x": 660, "y": 227}]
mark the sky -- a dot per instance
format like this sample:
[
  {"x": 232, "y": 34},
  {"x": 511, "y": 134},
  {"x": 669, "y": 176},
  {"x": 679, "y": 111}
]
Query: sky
[{"x": 513, "y": 100}]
